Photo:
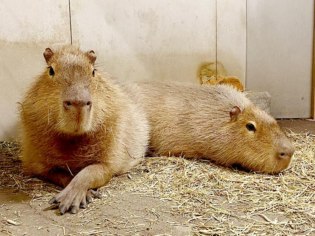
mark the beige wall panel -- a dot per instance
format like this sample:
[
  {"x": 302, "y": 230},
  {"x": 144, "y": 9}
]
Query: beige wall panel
[
  {"x": 279, "y": 53},
  {"x": 231, "y": 36},
  {"x": 147, "y": 40},
  {"x": 26, "y": 28}
]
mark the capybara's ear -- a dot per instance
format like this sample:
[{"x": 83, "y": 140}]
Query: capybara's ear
[
  {"x": 48, "y": 54},
  {"x": 91, "y": 55},
  {"x": 234, "y": 113}
]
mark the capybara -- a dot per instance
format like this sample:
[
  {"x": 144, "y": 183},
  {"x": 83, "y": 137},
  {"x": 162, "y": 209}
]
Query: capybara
[
  {"x": 213, "y": 122},
  {"x": 79, "y": 128},
  {"x": 232, "y": 81},
  {"x": 214, "y": 73}
]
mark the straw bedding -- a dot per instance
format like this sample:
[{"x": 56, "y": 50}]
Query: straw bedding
[{"x": 214, "y": 199}]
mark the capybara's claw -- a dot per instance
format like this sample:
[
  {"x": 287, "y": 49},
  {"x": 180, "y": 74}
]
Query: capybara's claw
[
  {"x": 83, "y": 204},
  {"x": 53, "y": 201},
  {"x": 89, "y": 198},
  {"x": 74, "y": 209},
  {"x": 96, "y": 193},
  {"x": 62, "y": 209},
  {"x": 91, "y": 193}
]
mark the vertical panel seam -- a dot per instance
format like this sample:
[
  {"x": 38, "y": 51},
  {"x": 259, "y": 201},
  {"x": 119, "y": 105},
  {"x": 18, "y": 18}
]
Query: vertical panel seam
[
  {"x": 70, "y": 22},
  {"x": 246, "y": 8},
  {"x": 313, "y": 70},
  {"x": 216, "y": 39}
]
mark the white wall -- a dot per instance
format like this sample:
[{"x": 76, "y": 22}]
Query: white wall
[
  {"x": 149, "y": 40},
  {"x": 279, "y": 53},
  {"x": 231, "y": 36},
  {"x": 266, "y": 43},
  {"x": 26, "y": 28}
]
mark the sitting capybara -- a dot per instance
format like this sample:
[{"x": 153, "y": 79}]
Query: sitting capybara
[
  {"x": 213, "y": 122},
  {"x": 79, "y": 127}
]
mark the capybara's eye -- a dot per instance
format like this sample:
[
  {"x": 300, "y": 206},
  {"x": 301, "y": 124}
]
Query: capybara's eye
[
  {"x": 51, "y": 71},
  {"x": 250, "y": 127},
  {"x": 93, "y": 73}
]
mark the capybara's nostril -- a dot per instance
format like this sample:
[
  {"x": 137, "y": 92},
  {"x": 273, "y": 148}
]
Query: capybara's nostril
[
  {"x": 283, "y": 156},
  {"x": 67, "y": 104},
  {"x": 286, "y": 154},
  {"x": 76, "y": 103}
]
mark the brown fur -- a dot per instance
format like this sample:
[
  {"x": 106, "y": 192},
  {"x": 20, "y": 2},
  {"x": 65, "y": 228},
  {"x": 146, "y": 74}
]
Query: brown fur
[
  {"x": 78, "y": 129},
  {"x": 210, "y": 122},
  {"x": 214, "y": 74}
]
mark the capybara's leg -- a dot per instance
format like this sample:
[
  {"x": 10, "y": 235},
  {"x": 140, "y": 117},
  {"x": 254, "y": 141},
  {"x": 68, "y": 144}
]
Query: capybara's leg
[
  {"x": 77, "y": 192},
  {"x": 58, "y": 176}
]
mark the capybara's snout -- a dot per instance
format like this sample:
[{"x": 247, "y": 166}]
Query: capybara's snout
[
  {"x": 78, "y": 104},
  {"x": 76, "y": 114},
  {"x": 77, "y": 97},
  {"x": 285, "y": 150}
]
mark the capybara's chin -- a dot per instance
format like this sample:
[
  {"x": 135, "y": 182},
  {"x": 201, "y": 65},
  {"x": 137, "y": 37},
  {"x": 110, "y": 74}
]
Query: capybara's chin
[
  {"x": 280, "y": 164},
  {"x": 75, "y": 128},
  {"x": 272, "y": 165}
]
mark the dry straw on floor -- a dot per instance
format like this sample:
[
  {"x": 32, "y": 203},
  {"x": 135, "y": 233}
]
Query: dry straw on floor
[{"x": 216, "y": 200}]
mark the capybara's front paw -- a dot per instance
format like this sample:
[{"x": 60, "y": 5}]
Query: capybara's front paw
[{"x": 71, "y": 199}]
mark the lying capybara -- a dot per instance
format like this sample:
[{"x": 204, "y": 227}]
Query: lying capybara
[
  {"x": 213, "y": 122},
  {"x": 79, "y": 127}
]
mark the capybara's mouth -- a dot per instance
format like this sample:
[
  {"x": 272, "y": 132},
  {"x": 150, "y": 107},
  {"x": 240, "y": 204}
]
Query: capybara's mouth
[
  {"x": 75, "y": 126},
  {"x": 79, "y": 118},
  {"x": 81, "y": 128},
  {"x": 271, "y": 165},
  {"x": 278, "y": 166},
  {"x": 79, "y": 123}
]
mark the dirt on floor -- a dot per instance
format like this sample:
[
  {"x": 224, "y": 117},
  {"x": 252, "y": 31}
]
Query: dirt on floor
[
  {"x": 172, "y": 196},
  {"x": 124, "y": 214}
]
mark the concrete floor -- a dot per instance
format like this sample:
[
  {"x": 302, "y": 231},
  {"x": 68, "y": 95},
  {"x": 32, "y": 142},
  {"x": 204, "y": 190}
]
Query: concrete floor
[{"x": 298, "y": 125}]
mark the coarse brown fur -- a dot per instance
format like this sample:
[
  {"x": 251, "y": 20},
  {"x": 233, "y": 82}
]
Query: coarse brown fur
[
  {"x": 80, "y": 128},
  {"x": 214, "y": 122}
]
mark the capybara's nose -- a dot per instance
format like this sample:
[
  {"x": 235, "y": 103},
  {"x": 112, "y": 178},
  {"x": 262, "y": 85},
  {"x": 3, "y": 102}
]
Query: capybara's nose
[
  {"x": 286, "y": 152},
  {"x": 68, "y": 104}
]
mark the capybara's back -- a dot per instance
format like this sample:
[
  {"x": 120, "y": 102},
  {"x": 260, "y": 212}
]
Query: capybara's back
[{"x": 214, "y": 122}]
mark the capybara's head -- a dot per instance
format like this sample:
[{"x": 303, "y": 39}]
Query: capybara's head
[
  {"x": 73, "y": 91},
  {"x": 258, "y": 141}
]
